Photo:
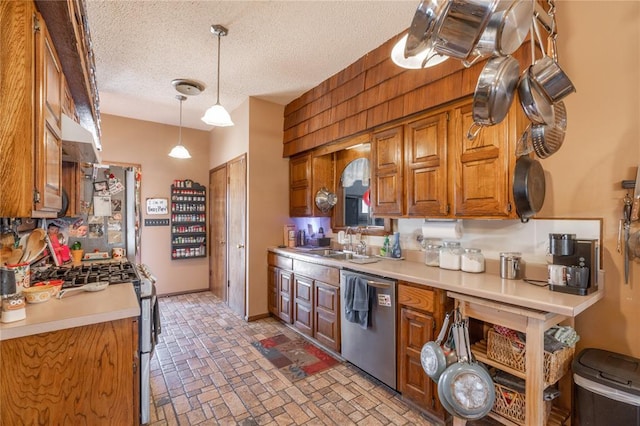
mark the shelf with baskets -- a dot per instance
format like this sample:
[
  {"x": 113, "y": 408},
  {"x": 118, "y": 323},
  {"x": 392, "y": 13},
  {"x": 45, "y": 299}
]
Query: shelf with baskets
[
  {"x": 188, "y": 220},
  {"x": 526, "y": 405}
]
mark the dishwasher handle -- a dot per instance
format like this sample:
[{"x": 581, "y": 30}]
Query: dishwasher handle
[{"x": 378, "y": 284}]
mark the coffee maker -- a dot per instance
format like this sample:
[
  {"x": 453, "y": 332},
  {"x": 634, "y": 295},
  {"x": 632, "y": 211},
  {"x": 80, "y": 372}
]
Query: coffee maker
[{"x": 581, "y": 257}]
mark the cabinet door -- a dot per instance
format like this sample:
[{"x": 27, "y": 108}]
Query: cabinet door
[
  {"x": 272, "y": 289},
  {"x": 426, "y": 166},
  {"x": 300, "y": 197},
  {"x": 48, "y": 110},
  {"x": 386, "y": 185},
  {"x": 416, "y": 328},
  {"x": 481, "y": 166},
  {"x": 284, "y": 295},
  {"x": 327, "y": 315},
  {"x": 303, "y": 304}
]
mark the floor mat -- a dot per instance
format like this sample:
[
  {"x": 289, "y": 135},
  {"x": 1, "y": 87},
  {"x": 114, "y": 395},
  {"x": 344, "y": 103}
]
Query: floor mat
[{"x": 295, "y": 358}]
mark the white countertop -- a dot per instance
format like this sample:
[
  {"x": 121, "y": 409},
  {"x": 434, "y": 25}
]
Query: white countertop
[
  {"x": 483, "y": 285},
  {"x": 75, "y": 309}
]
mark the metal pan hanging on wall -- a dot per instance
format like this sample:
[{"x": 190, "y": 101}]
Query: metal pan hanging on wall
[
  {"x": 325, "y": 200},
  {"x": 528, "y": 187}
]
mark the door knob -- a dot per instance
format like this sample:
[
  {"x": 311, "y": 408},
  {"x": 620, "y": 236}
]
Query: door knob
[{"x": 240, "y": 246}]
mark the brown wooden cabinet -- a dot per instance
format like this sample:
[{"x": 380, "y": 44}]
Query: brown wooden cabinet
[
  {"x": 427, "y": 167},
  {"x": 303, "y": 304},
  {"x": 326, "y": 323},
  {"x": 280, "y": 286},
  {"x": 482, "y": 168},
  {"x": 421, "y": 313},
  {"x": 426, "y": 184},
  {"x": 308, "y": 174},
  {"x": 82, "y": 375},
  {"x": 387, "y": 148},
  {"x": 48, "y": 116},
  {"x": 30, "y": 107}
]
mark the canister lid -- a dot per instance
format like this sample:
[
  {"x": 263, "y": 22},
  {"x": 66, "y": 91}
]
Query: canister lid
[{"x": 511, "y": 254}]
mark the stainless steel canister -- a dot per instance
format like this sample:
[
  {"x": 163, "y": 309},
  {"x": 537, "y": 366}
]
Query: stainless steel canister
[{"x": 511, "y": 265}]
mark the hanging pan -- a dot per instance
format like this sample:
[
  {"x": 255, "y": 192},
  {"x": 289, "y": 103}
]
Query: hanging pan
[
  {"x": 494, "y": 93},
  {"x": 432, "y": 355},
  {"x": 422, "y": 26},
  {"x": 467, "y": 386},
  {"x": 543, "y": 139},
  {"x": 528, "y": 187},
  {"x": 507, "y": 28}
]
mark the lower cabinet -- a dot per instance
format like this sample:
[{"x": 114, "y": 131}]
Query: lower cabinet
[
  {"x": 421, "y": 313},
  {"x": 306, "y": 295},
  {"x": 82, "y": 375}
]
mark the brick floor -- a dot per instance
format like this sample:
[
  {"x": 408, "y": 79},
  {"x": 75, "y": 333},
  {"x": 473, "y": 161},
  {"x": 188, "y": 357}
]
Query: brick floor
[{"x": 205, "y": 372}]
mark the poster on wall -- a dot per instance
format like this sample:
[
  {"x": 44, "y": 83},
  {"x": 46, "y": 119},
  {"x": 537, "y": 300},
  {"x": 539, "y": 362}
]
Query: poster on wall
[{"x": 157, "y": 206}]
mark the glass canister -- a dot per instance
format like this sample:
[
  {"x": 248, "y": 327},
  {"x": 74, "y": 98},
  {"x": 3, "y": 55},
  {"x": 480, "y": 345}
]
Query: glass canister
[
  {"x": 432, "y": 254},
  {"x": 450, "y": 253},
  {"x": 472, "y": 260}
]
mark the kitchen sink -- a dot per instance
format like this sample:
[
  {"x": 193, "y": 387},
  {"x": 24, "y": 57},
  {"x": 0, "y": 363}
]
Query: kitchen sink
[{"x": 337, "y": 254}]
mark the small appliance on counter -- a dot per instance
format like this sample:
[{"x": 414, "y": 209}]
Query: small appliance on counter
[{"x": 580, "y": 259}]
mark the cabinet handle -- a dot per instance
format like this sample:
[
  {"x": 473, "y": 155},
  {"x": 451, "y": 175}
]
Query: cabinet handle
[
  {"x": 222, "y": 242},
  {"x": 240, "y": 246}
]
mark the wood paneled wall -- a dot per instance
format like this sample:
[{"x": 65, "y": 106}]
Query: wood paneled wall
[{"x": 373, "y": 91}]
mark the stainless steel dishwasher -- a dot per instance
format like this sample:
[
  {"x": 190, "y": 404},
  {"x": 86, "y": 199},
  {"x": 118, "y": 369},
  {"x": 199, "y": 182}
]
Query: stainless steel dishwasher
[{"x": 372, "y": 349}]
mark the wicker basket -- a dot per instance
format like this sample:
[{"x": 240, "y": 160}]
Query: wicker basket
[
  {"x": 510, "y": 404},
  {"x": 506, "y": 352}
]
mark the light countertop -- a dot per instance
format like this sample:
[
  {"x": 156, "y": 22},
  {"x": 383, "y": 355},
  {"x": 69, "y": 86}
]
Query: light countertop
[
  {"x": 75, "y": 309},
  {"x": 483, "y": 285}
]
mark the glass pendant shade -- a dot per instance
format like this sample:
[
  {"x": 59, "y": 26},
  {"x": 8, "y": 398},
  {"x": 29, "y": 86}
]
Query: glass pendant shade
[
  {"x": 418, "y": 61},
  {"x": 217, "y": 116},
  {"x": 179, "y": 151}
]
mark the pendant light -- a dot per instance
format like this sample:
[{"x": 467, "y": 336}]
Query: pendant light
[
  {"x": 179, "y": 151},
  {"x": 217, "y": 115}
]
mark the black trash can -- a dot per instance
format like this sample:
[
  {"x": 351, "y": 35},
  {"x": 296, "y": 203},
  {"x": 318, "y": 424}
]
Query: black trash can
[{"x": 607, "y": 389}]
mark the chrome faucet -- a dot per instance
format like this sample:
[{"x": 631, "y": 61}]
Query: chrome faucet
[{"x": 349, "y": 235}]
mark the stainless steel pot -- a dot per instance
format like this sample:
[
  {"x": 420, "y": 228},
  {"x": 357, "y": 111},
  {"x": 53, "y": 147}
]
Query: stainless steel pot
[
  {"x": 536, "y": 106},
  {"x": 494, "y": 93},
  {"x": 547, "y": 74},
  {"x": 325, "y": 200},
  {"x": 460, "y": 26},
  {"x": 507, "y": 28},
  {"x": 422, "y": 26}
]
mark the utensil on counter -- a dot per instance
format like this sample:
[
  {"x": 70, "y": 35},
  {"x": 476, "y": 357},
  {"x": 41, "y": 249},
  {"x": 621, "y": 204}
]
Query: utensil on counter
[
  {"x": 528, "y": 187},
  {"x": 97, "y": 286}
]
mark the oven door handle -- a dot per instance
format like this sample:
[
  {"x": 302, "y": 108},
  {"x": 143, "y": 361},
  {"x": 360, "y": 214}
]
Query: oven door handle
[{"x": 378, "y": 284}]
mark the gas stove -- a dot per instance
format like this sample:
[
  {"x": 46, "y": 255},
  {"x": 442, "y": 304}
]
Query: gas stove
[{"x": 75, "y": 276}]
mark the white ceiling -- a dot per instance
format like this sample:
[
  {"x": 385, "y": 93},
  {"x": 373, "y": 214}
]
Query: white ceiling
[{"x": 275, "y": 50}]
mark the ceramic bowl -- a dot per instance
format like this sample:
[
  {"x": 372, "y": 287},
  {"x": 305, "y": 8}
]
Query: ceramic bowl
[
  {"x": 56, "y": 286},
  {"x": 38, "y": 293}
]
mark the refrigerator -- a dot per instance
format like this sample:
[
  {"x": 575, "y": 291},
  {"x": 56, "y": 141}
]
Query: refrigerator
[{"x": 110, "y": 209}]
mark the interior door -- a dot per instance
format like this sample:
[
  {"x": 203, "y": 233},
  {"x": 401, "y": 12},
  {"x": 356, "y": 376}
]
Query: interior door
[
  {"x": 218, "y": 237},
  {"x": 237, "y": 230}
]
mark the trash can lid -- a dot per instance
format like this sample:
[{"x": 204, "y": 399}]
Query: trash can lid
[{"x": 618, "y": 371}]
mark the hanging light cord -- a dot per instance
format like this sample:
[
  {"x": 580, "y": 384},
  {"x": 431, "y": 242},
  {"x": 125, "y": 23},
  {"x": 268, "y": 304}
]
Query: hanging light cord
[
  {"x": 218, "y": 92},
  {"x": 180, "y": 128}
]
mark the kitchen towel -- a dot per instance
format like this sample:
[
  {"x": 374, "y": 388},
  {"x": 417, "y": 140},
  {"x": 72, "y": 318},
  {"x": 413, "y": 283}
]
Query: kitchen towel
[
  {"x": 356, "y": 301},
  {"x": 443, "y": 229}
]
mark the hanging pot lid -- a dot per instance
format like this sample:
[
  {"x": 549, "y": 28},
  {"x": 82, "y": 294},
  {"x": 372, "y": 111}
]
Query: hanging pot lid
[{"x": 325, "y": 199}]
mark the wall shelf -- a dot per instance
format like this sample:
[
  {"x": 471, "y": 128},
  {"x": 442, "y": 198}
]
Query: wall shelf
[{"x": 188, "y": 220}]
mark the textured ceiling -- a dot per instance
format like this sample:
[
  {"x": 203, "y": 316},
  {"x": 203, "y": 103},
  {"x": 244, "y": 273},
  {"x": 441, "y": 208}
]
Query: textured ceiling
[{"x": 275, "y": 50}]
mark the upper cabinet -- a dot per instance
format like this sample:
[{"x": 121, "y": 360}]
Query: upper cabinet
[
  {"x": 309, "y": 173},
  {"x": 49, "y": 84},
  {"x": 35, "y": 94},
  {"x": 427, "y": 167}
]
